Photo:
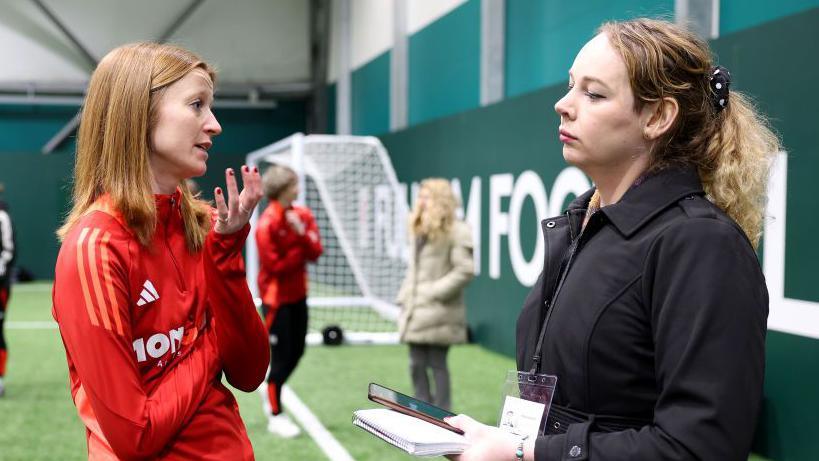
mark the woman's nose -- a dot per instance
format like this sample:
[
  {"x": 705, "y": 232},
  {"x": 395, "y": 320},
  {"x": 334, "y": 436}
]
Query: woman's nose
[
  {"x": 212, "y": 125},
  {"x": 563, "y": 106}
]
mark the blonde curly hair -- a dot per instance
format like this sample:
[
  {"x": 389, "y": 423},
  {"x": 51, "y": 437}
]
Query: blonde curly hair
[
  {"x": 731, "y": 148},
  {"x": 434, "y": 219}
]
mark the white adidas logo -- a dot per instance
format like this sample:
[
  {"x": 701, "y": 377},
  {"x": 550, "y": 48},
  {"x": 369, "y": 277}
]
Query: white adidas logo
[{"x": 148, "y": 294}]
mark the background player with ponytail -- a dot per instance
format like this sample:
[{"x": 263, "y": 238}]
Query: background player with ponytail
[{"x": 287, "y": 238}]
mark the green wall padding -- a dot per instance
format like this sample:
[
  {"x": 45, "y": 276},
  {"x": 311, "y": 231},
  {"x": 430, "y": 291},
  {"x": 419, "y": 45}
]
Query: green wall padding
[
  {"x": 28, "y": 128},
  {"x": 543, "y": 36},
  {"x": 788, "y": 424},
  {"x": 38, "y": 192},
  {"x": 370, "y": 87},
  {"x": 331, "y": 108},
  {"x": 444, "y": 65},
  {"x": 765, "y": 64},
  {"x": 245, "y": 130},
  {"x": 735, "y": 15}
]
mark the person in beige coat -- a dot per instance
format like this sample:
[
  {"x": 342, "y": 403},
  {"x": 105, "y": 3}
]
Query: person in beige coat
[{"x": 433, "y": 315}]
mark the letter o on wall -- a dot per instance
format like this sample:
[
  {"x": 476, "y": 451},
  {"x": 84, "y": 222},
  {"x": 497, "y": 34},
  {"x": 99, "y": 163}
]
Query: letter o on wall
[
  {"x": 528, "y": 184},
  {"x": 158, "y": 345}
]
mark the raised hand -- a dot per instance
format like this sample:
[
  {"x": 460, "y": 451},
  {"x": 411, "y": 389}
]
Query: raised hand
[
  {"x": 294, "y": 221},
  {"x": 234, "y": 213}
]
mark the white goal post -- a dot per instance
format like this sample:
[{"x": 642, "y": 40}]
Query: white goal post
[{"x": 361, "y": 210}]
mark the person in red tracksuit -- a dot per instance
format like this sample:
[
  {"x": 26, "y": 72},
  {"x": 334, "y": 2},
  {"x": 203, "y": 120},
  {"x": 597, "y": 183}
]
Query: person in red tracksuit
[
  {"x": 149, "y": 291},
  {"x": 287, "y": 238}
]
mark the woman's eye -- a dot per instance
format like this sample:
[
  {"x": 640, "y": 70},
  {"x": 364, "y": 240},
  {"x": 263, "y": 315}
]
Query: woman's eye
[
  {"x": 594, "y": 96},
  {"x": 197, "y": 105}
]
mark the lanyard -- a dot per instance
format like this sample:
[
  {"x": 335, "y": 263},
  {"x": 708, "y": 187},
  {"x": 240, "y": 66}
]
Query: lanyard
[{"x": 565, "y": 263}]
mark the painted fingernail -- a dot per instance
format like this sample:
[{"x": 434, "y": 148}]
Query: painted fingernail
[
  {"x": 218, "y": 191},
  {"x": 245, "y": 169},
  {"x": 230, "y": 171},
  {"x": 255, "y": 170}
]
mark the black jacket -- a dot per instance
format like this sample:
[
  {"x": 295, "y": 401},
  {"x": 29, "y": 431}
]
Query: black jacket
[{"x": 658, "y": 328}]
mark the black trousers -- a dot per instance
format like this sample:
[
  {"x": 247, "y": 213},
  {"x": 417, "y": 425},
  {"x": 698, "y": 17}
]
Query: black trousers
[{"x": 287, "y": 337}]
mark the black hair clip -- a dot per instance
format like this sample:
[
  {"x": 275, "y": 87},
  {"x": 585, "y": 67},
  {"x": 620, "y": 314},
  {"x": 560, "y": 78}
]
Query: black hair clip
[{"x": 720, "y": 81}]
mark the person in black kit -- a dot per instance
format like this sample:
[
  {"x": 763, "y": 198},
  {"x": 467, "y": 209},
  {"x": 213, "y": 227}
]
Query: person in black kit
[
  {"x": 7, "y": 256},
  {"x": 651, "y": 309}
]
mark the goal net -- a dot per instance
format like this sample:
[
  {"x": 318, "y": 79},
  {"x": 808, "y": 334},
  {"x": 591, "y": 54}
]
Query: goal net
[{"x": 360, "y": 208}]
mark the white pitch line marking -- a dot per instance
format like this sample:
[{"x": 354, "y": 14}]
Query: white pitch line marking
[
  {"x": 31, "y": 287},
  {"x": 22, "y": 325},
  {"x": 324, "y": 439}
]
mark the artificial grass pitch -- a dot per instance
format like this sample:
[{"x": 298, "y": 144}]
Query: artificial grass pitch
[{"x": 38, "y": 421}]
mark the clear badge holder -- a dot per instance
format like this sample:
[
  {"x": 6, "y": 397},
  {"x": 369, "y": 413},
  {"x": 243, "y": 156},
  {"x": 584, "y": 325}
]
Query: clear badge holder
[{"x": 527, "y": 400}]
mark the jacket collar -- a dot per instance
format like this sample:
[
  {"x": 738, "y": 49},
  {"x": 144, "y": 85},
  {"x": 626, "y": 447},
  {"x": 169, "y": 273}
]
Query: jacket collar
[
  {"x": 167, "y": 202},
  {"x": 643, "y": 202}
]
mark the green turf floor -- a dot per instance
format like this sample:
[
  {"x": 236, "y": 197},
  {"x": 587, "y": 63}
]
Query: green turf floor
[{"x": 38, "y": 420}]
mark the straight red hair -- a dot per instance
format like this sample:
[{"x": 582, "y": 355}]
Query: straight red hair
[{"x": 113, "y": 141}]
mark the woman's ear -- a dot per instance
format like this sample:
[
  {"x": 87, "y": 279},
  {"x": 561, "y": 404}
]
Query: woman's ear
[{"x": 661, "y": 117}]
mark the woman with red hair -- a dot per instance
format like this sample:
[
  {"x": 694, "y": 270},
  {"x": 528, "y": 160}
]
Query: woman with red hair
[{"x": 149, "y": 291}]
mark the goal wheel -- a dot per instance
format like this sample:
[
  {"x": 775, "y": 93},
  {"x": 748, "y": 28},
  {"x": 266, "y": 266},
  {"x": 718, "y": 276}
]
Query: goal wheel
[{"x": 332, "y": 335}]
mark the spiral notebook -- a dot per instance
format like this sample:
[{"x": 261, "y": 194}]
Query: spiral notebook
[{"x": 415, "y": 436}]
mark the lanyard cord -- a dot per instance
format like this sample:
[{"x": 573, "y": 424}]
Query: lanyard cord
[
  {"x": 564, "y": 270},
  {"x": 592, "y": 208},
  {"x": 565, "y": 263}
]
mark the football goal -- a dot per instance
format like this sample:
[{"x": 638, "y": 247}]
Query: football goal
[{"x": 361, "y": 210}]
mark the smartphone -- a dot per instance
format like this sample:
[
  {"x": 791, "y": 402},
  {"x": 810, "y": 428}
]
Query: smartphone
[{"x": 403, "y": 403}]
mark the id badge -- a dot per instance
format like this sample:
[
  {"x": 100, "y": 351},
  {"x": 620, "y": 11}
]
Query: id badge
[{"x": 527, "y": 399}]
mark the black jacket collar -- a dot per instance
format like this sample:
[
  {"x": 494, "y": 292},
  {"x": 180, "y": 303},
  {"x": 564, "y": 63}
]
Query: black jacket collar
[{"x": 642, "y": 202}]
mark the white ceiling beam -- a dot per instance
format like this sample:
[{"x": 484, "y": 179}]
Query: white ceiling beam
[
  {"x": 72, "y": 125},
  {"x": 183, "y": 16},
  {"x": 89, "y": 58}
]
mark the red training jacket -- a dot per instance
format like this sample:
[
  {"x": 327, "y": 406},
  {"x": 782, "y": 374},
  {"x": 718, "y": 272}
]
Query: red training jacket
[
  {"x": 147, "y": 333},
  {"x": 283, "y": 254}
]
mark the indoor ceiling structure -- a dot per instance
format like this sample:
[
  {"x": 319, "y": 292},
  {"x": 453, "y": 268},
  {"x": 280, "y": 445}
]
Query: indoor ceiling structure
[{"x": 263, "y": 50}]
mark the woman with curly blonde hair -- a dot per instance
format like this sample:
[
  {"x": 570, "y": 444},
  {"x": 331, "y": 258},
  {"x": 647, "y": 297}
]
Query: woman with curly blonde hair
[
  {"x": 433, "y": 315},
  {"x": 651, "y": 309},
  {"x": 434, "y": 210}
]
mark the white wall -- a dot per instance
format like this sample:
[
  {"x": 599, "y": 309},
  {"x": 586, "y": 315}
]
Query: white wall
[
  {"x": 371, "y": 24},
  {"x": 420, "y": 13},
  {"x": 371, "y": 30}
]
